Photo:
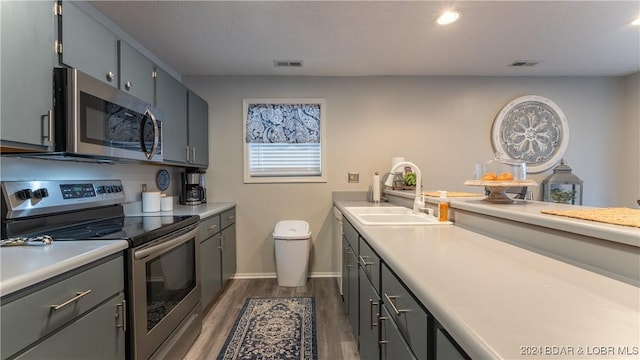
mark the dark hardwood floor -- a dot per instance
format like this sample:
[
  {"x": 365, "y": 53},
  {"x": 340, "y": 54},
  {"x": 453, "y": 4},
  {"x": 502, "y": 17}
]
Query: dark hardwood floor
[{"x": 334, "y": 337}]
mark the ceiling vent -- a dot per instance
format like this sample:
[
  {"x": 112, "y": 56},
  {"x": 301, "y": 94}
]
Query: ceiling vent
[
  {"x": 521, "y": 63},
  {"x": 287, "y": 63}
]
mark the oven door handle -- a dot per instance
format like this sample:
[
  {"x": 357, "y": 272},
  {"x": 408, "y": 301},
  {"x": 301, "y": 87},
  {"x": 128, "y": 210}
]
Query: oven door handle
[{"x": 163, "y": 246}]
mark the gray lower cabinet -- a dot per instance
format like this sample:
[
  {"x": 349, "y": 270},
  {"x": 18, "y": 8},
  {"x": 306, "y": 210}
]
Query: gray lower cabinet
[
  {"x": 228, "y": 246},
  {"x": 77, "y": 315},
  {"x": 354, "y": 295},
  {"x": 217, "y": 253},
  {"x": 136, "y": 73},
  {"x": 198, "y": 129},
  {"x": 369, "y": 282},
  {"x": 346, "y": 266},
  {"x": 210, "y": 258},
  {"x": 87, "y": 45},
  {"x": 392, "y": 344},
  {"x": 446, "y": 349},
  {"x": 369, "y": 311},
  {"x": 411, "y": 320},
  {"x": 171, "y": 100},
  {"x": 386, "y": 318},
  {"x": 26, "y": 60}
]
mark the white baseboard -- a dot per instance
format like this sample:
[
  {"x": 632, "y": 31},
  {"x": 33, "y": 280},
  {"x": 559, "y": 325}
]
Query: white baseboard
[{"x": 273, "y": 275}]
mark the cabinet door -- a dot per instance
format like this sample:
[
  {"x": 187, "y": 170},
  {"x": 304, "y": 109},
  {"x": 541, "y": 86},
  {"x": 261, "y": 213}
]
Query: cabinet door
[
  {"x": 198, "y": 116},
  {"x": 171, "y": 100},
  {"x": 97, "y": 335},
  {"x": 446, "y": 349},
  {"x": 228, "y": 253},
  {"x": 392, "y": 345},
  {"x": 136, "y": 73},
  {"x": 411, "y": 319},
  {"x": 27, "y": 59},
  {"x": 346, "y": 266},
  {"x": 354, "y": 302},
  {"x": 210, "y": 269},
  {"x": 369, "y": 310},
  {"x": 87, "y": 45}
]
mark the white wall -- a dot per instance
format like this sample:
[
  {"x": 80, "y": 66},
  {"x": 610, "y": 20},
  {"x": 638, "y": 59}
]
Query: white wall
[{"x": 443, "y": 124}]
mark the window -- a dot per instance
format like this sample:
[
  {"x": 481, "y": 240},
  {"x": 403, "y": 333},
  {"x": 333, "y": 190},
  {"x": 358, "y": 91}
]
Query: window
[{"x": 284, "y": 140}]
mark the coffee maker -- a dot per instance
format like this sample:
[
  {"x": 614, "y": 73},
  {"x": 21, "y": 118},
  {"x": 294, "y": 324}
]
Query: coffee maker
[{"x": 192, "y": 188}]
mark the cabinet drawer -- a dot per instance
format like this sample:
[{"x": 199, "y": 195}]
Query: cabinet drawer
[
  {"x": 94, "y": 336},
  {"x": 209, "y": 227},
  {"x": 370, "y": 263},
  {"x": 228, "y": 217},
  {"x": 407, "y": 313},
  {"x": 351, "y": 234},
  {"x": 31, "y": 317}
]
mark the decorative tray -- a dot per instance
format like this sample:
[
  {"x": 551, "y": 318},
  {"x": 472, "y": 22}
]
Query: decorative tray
[{"x": 498, "y": 188}]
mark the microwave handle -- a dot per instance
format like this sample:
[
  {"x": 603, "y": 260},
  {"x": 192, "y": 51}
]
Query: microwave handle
[{"x": 156, "y": 135}]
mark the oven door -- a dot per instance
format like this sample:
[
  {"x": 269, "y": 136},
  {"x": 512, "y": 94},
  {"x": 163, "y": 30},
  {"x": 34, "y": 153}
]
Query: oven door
[{"x": 165, "y": 288}]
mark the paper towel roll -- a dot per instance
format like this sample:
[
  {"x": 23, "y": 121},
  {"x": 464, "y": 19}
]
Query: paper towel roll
[
  {"x": 151, "y": 201},
  {"x": 376, "y": 188}
]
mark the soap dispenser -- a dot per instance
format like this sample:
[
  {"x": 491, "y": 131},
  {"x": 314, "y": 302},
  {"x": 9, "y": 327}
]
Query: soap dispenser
[{"x": 443, "y": 207}]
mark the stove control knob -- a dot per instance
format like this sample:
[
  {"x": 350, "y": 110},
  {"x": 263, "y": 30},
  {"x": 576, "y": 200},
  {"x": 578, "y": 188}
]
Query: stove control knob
[
  {"x": 24, "y": 194},
  {"x": 41, "y": 193}
]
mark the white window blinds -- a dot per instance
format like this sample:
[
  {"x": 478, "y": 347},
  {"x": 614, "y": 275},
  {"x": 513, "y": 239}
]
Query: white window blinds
[{"x": 281, "y": 159}]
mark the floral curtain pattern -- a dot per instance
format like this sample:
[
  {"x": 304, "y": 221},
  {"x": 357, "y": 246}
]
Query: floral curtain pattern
[{"x": 283, "y": 123}]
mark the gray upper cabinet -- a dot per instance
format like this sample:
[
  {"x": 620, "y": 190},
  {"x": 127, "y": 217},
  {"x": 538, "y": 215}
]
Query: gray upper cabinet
[
  {"x": 171, "y": 100},
  {"x": 136, "y": 73},
  {"x": 87, "y": 45},
  {"x": 198, "y": 119},
  {"x": 27, "y": 63}
]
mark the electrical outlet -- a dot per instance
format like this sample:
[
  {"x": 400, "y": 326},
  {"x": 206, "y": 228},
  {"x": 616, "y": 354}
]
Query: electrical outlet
[{"x": 354, "y": 177}]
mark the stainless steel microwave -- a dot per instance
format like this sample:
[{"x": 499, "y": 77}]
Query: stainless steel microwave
[{"x": 94, "y": 119}]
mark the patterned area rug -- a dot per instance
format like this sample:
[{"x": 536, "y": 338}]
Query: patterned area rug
[{"x": 273, "y": 328}]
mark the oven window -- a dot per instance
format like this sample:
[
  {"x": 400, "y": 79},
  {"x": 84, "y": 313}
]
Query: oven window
[{"x": 170, "y": 278}]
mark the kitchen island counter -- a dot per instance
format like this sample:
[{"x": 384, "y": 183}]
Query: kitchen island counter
[
  {"x": 501, "y": 301},
  {"x": 23, "y": 266}
]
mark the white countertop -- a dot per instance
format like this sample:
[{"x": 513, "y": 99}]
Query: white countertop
[
  {"x": 23, "y": 266},
  {"x": 204, "y": 210},
  {"x": 495, "y": 299},
  {"x": 529, "y": 212}
]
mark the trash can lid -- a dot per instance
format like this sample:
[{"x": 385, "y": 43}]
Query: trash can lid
[{"x": 292, "y": 230}]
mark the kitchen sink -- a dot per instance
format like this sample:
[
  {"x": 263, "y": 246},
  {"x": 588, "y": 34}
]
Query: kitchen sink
[{"x": 391, "y": 215}]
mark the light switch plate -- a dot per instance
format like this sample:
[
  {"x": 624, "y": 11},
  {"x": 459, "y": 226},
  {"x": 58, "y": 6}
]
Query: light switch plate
[{"x": 354, "y": 177}]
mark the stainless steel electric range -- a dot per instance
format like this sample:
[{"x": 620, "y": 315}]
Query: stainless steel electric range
[{"x": 162, "y": 282}]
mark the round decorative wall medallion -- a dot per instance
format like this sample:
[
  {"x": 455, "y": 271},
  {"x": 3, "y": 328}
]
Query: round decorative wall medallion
[
  {"x": 532, "y": 129},
  {"x": 163, "y": 180}
]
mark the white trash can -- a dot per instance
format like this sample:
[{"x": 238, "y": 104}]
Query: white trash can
[{"x": 292, "y": 242}]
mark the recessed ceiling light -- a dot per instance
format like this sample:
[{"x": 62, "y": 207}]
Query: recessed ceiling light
[
  {"x": 636, "y": 21},
  {"x": 448, "y": 17}
]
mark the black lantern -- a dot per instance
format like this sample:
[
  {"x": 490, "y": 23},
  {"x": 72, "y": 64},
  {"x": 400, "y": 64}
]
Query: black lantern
[{"x": 562, "y": 186}]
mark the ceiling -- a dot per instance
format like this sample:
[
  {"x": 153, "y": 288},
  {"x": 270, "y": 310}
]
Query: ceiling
[{"x": 359, "y": 38}]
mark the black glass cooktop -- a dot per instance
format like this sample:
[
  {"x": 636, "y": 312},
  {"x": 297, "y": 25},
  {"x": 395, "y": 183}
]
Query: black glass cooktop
[{"x": 135, "y": 229}]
